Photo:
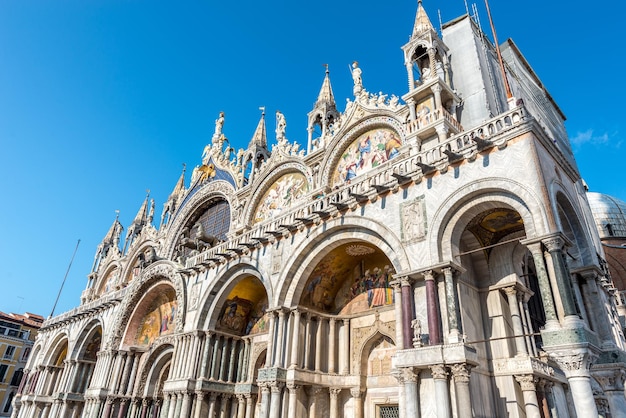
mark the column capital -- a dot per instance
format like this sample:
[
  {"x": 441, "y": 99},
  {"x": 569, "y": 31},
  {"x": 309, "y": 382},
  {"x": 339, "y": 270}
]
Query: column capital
[
  {"x": 356, "y": 392},
  {"x": 292, "y": 387},
  {"x": 439, "y": 371},
  {"x": 527, "y": 382},
  {"x": 460, "y": 372},
  {"x": 334, "y": 392},
  {"x": 574, "y": 363},
  {"x": 611, "y": 380},
  {"x": 276, "y": 387},
  {"x": 510, "y": 290}
]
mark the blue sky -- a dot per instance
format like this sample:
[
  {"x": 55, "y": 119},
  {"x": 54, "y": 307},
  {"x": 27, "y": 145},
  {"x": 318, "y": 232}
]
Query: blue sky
[{"x": 102, "y": 100}]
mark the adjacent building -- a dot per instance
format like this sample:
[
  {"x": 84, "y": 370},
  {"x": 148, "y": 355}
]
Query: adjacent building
[
  {"x": 17, "y": 336},
  {"x": 427, "y": 253}
]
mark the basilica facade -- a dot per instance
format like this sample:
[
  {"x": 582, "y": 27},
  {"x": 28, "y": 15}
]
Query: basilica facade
[{"x": 425, "y": 255}]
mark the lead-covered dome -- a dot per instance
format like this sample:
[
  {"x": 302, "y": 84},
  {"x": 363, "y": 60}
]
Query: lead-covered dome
[{"x": 609, "y": 214}]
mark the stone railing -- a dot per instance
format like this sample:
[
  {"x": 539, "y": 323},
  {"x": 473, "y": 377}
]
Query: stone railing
[
  {"x": 387, "y": 176},
  {"x": 429, "y": 119},
  {"x": 112, "y": 297}
]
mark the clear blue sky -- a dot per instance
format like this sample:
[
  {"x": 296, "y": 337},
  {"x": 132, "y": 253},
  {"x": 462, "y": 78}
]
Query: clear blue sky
[{"x": 103, "y": 99}]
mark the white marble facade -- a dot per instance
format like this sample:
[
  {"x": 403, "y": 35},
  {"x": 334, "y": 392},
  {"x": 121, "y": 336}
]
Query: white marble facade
[{"x": 420, "y": 259}]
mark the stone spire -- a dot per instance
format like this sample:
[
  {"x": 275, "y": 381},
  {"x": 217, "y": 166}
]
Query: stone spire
[
  {"x": 110, "y": 241},
  {"x": 169, "y": 208},
  {"x": 422, "y": 22},
  {"x": 141, "y": 220},
  {"x": 326, "y": 96},
  {"x": 260, "y": 134},
  {"x": 324, "y": 113}
]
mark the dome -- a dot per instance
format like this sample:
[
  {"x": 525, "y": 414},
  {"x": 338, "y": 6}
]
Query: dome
[{"x": 609, "y": 214}]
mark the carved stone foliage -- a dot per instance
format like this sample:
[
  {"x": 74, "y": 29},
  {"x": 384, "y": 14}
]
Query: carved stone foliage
[
  {"x": 527, "y": 382},
  {"x": 361, "y": 336},
  {"x": 574, "y": 364},
  {"x": 460, "y": 372},
  {"x": 413, "y": 218},
  {"x": 160, "y": 271}
]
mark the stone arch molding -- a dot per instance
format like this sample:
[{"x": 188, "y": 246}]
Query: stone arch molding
[
  {"x": 216, "y": 188},
  {"x": 162, "y": 347},
  {"x": 155, "y": 273},
  {"x": 364, "y": 336},
  {"x": 269, "y": 180},
  {"x": 83, "y": 335},
  {"x": 454, "y": 213},
  {"x": 328, "y": 236},
  {"x": 341, "y": 143}
]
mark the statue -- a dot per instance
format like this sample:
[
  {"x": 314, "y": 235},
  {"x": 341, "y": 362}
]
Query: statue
[
  {"x": 219, "y": 123},
  {"x": 281, "y": 125},
  {"x": 417, "y": 333},
  {"x": 356, "y": 77}
]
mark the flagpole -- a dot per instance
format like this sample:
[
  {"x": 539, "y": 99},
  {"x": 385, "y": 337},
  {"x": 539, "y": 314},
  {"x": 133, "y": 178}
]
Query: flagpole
[
  {"x": 64, "y": 278},
  {"x": 495, "y": 39}
]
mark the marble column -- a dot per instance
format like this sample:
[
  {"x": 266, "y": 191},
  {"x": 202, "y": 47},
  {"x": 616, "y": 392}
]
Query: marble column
[
  {"x": 452, "y": 301},
  {"x": 145, "y": 407},
  {"x": 432, "y": 309},
  {"x": 407, "y": 312},
  {"x": 596, "y": 309},
  {"x": 278, "y": 360},
  {"x": 334, "y": 402},
  {"x": 133, "y": 374},
  {"x": 215, "y": 358},
  {"x": 206, "y": 352},
  {"x": 307, "y": 342},
  {"x": 397, "y": 302},
  {"x": 563, "y": 279},
  {"x": 442, "y": 392},
  {"x": 276, "y": 389},
  {"x": 545, "y": 289},
  {"x": 411, "y": 79},
  {"x": 241, "y": 406},
  {"x": 123, "y": 408},
  {"x": 186, "y": 405},
  {"x": 531, "y": 402},
  {"x": 332, "y": 334},
  {"x": 357, "y": 401},
  {"x": 461, "y": 375},
  {"x": 318, "y": 344},
  {"x": 293, "y": 399},
  {"x": 249, "y": 405},
  {"x": 108, "y": 405},
  {"x": 313, "y": 393},
  {"x": 265, "y": 400},
  {"x": 270, "y": 338},
  {"x": 516, "y": 319},
  {"x": 212, "y": 405},
  {"x": 295, "y": 341},
  {"x": 409, "y": 379},
  {"x": 345, "y": 343}
]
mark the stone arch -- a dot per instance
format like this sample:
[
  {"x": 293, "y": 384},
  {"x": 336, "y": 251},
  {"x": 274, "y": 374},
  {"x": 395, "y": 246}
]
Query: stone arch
[
  {"x": 160, "y": 272},
  {"x": 364, "y": 341},
  {"x": 341, "y": 143},
  {"x": 262, "y": 186},
  {"x": 83, "y": 337},
  {"x": 568, "y": 220},
  {"x": 56, "y": 347},
  {"x": 214, "y": 190},
  {"x": 155, "y": 365},
  {"x": 452, "y": 217},
  {"x": 139, "y": 257},
  {"x": 216, "y": 295},
  {"x": 339, "y": 231},
  {"x": 107, "y": 276}
]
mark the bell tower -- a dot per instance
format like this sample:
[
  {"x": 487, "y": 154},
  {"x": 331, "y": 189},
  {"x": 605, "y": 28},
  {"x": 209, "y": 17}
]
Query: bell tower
[
  {"x": 323, "y": 115},
  {"x": 431, "y": 99}
]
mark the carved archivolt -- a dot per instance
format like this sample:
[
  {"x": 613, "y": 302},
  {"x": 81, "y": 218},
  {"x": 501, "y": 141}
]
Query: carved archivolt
[
  {"x": 361, "y": 336},
  {"x": 269, "y": 180},
  {"x": 161, "y": 346},
  {"x": 161, "y": 271},
  {"x": 368, "y": 124}
]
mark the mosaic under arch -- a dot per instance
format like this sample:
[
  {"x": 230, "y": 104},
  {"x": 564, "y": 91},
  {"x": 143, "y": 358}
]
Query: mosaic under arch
[
  {"x": 352, "y": 278},
  {"x": 284, "y": 193},
  {"x": 367, "y": 152},
  {"x": 159, "y": 318},
  {"x": 243, "y": 312}
]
